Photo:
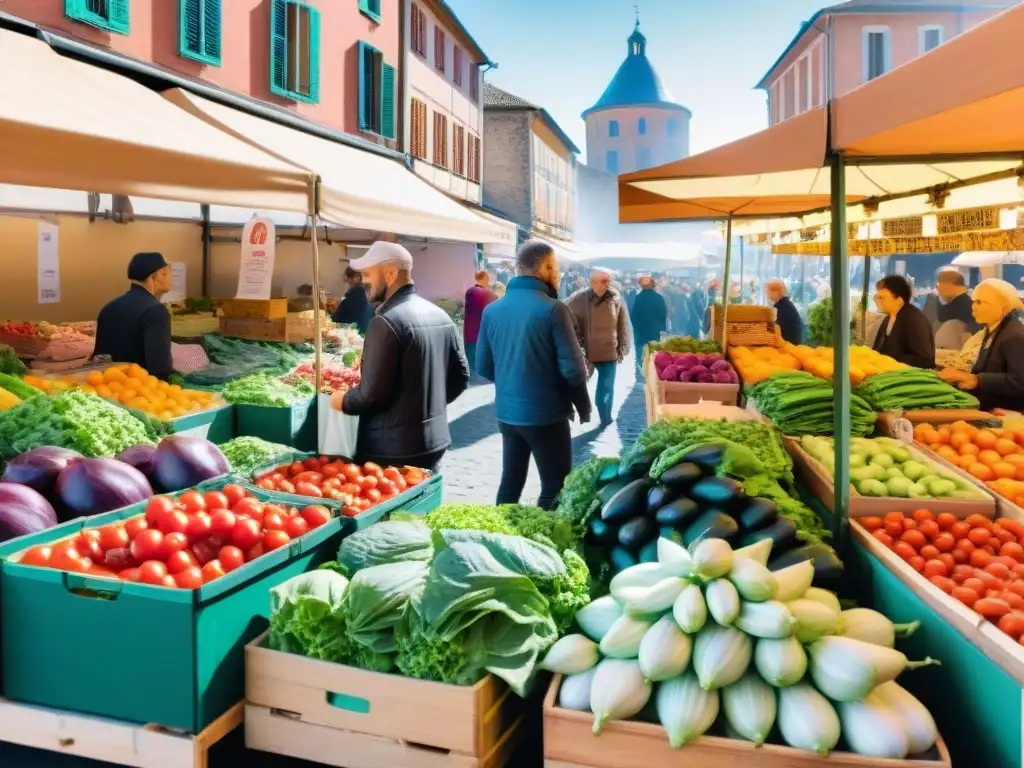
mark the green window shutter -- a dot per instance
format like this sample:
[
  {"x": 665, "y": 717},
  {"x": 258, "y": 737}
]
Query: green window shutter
[
  {"x": 314, "y": 55},
  {"x": 199, "y": 30},
  {"x": 189, "y": 28},
  {"x": 74, "y": 9},
  {"x": 365, "y": 88},
  {"x": 387, "y": 102},
  {"x": 370, "y": 8},
  {"x": 279, "y": 47},
  {"x": 211, "y": 30},
  {"x": 117, "y": 17}
]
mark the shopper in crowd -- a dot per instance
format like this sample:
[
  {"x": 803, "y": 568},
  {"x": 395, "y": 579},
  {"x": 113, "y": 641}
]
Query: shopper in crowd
[
  {"x": 787, "y": 316},
  {"x": 477, "y": 298},
  {"x": 997, "y": 378},
  {"x": 412, "y": 368},
  {"x": 956, "y": 322},
  {"x": 650, "y": 319},
  {"x": 527, "y": 346},
  {"x": 680, "y": 310},
  {"x": 905, "y": 333},
  {"x": 499, "y": 290},
  {"x": 354, "y": 307},
  {"x": 602, "y": 327},
  {"x": 135, "y": 327}
]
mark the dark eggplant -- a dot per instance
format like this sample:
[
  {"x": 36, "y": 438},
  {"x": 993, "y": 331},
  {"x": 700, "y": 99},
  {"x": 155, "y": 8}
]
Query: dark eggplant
[
  {"x": 707, "y": 457},
  {"x": 640, "y": 467},
  {"x": 682, "y": 475},
  {"x": 723, "y": 492},
  {"x": 782, "y": 534},
  {"x": 671, "y": 534},
  {"x": 679, "y": 514},
  {"x": 600, "y": 532},
  {"x": 828, "y": 568},
  {"x": 659, "y": 496},
  {"x": 606, "y": 493},
  {"x": 713, "y": 524},
  {"x": 631, "y": 500},
  {"x": 608, "y": 475},
  {"x": 621, "y": 559},
  {"x": 649, "y": 554},
  {"x": 636, "y": 532},
  {"x": 759, "y": 513}
]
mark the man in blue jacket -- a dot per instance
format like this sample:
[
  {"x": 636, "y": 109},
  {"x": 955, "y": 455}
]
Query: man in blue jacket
[
  {"x": 650, "y": 319},
  {"x": 527, "y": 346}
]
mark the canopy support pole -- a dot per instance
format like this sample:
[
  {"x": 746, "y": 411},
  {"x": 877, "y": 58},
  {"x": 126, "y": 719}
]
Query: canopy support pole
[
  {"x": 840, "y": 279},
  {"x": 204, "y": 211},
  {"x": 317, "y": 324},
  {"x": 866, "y": 288},
  {"x": 725, "y": 279},
  {"x": 803, "y": 285},
  {"x": 753, "y": 299}
]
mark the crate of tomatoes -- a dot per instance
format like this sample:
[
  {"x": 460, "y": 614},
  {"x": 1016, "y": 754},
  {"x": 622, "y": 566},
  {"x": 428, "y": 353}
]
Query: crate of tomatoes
[
  {"x": 362, "y": 493},
  {"x": 143, "y": 614}
]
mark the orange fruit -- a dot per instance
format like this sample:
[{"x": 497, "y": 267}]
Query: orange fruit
[
  {"x": 964, "y": 462},
  {"x": 1006, "y": 447},
  {"x": 981, "y": 471},
  {"x": 1017, "y": 459},
  {"x": 943, "y": 434},
  {"x": 989, "y": 457},
  {"x": 947, "y": 453},
  {"x": 1003, "y": 470},
  {"x": 959, "y": 439},
  {"x": 985, "y": 439},
  {"x": 970, "y": 449}
]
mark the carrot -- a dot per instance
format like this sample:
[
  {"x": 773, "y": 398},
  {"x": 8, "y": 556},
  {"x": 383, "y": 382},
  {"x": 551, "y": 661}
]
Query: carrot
[{"x": 992, "y": 607}]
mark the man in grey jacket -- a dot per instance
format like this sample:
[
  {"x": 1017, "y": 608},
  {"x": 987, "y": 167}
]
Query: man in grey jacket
[{"x": 602, "y": 327}]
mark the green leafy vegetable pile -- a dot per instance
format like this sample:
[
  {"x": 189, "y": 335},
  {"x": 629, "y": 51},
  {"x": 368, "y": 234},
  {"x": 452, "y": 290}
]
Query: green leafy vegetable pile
[
  {"x": 233, "y": 358},
  {"x": 800, "y": 403},
  {"x": 578, "y": 500},
  {"x": 912, "y": 388},
  {"x": 680, "y": 344},
  {"x": 10, "y": 362},
  {"x": 247, "y": 454},
  {"x": 264, "y": 390},
  {"x": 819, "y": 322},
  {"x": 73, "y": 419}
]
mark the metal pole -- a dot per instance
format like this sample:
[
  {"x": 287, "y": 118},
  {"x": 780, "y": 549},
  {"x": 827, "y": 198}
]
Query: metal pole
[
  {"x": 317, "y": 329},
  {"x": 204, "y": 211},
  {"x": 753, "y": 299},
  {"x": 725, "y": 278},
  {"x": 841, "y": 361},
  {"x": 866, "y": 287},
  {"x": 803, "y": 283}
]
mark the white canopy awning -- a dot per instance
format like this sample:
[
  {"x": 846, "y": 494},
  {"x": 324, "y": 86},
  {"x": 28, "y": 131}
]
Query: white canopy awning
[
  {"x": 358, "y": 189},
  {"x": 988, "y": 258}
]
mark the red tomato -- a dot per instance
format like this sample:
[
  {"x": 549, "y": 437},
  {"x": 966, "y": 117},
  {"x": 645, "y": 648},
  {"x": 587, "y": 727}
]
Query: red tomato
[
  {"x": 295, "y": 527},
  {"x": 190, "y": 578},
  {"x": 173, "y": 542},
  {"x": 929, "y": 528},
  {"x": 119, "y": 559},
  {"x": 366, "y": 482},
  {"x": 192, "y": 501},
  {"x": 316, "y": 516},
  {"x": 129, "y": 574},
  {"x": 352, "y": 472},
  {"x": 934, "y": 568},
  {"x": 331, "y": 470},
  {"x": 308, "y": 489},
  {"x": 231, "y": 558},
  {"x": 285, "y": 486},
  {"x": 157, "y": 507},
  {"x": 88, "y": 545},
  {"x": 309, "y": 477},
  {"x": 946, "y": 520},
  {"x": 255, "y": 552},
  {"x": 370, "y": 468},
  {"x": 152, "y": 572},
  {"x": 216, "y": 500},
  {"x": 114, "y": 536},
  {"x": 386, "y": 487},
  {"x": 351, "y": 489},
  {"x": 148, "y": 545},
  {"x": 222, "y": 522},
  {"x": 392, "y": 474},
  {"x": 312, "y": 463},
  {"x": 400, "y": 484},
  {"x": 246, "y": 534},
  {"x": 296, "y": 468},
  {"x": 180, "y": 561},
  {"x": 914, "y": 538},
  {"x": 204, "y": 552},
  {"x": 363, "y": 504},
  {"x": 373, "y": 495},
  {"x": 274, "y": 540},
  {"x": 945, "y": 542},
  {"x": 291, "y": 512},
  {"x": 249, "y": 506},
  {"x": 37, "y": 556},
  {"x": 175, "y": 521},
  {"x": 350, "y": 510},
  {"x": 883, "y": 537},
  {"x": 212, "y": 570},
  {"x": 273, "y": 521},
  {"x": 233, "y": 493},
  {"x": 199, "y": 525},
  {"x": 266, "y": 484},
  {"x": 134, "y": 525}
]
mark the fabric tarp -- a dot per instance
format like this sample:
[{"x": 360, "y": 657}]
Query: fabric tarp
[
  {"x": 67, "y": 125},
  {"x": 358, "y": 189}
]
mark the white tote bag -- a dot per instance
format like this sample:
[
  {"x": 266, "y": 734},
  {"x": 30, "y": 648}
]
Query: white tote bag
[{"x": 337, "y": 432}]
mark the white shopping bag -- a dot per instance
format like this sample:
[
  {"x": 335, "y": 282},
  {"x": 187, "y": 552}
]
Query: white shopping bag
[{"x": 337, "y": 432}]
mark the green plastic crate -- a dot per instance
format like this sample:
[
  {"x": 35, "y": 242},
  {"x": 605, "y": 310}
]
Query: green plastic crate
[
  {"x": 295, "y": 426},
  {"x": 216, "y": 425},
  {"x": 135, "y": 652}
]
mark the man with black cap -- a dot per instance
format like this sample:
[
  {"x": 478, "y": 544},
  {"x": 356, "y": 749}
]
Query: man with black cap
[
  {"x": 413, "y": 366},
  {"x": 135, "y": 327}
]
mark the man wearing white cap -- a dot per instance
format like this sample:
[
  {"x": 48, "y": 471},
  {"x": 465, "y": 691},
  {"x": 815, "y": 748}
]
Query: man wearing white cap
[{"x": 412, "y": 367}]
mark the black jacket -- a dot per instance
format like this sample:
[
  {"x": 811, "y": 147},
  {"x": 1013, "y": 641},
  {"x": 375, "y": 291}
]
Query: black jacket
[
  {"x": 959, "y": 309},
  {"x": 354, "y": 308},
  {"x": 787, "y": 316},
  {"x": 136, "y": 328},
  {"x": 911, "y": 341},
  {"x": 413, "y": 367},
  {"x": 1000, "y": 367}
]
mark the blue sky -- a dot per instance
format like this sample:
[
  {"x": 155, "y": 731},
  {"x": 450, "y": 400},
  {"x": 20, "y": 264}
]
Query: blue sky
[{"x": 561, "y": 54}]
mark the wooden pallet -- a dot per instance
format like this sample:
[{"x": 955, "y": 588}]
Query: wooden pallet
[{"x": 112, "y": 741}]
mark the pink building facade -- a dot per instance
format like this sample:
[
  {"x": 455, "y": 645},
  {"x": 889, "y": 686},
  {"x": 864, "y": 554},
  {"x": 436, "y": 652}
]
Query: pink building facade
[
  {"x": 335, "y": 62},
  {"x": 846, "y": 45}
]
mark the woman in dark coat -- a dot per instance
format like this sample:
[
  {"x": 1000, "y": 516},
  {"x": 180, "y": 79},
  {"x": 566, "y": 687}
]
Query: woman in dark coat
[
  {"x": 905, "y": 334},
  {"x": 997, "y": 378}
]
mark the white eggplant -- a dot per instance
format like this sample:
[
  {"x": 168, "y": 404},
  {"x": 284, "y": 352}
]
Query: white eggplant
[
  {"x": 648, "y": 601},
  {"x": 806, "y": 720},
  {"x": 750, "y": 707},
  {"x": 791, "y": 583},
  {"x": 641, "y": 575},
  {"x": 771, "y": 619},
  {"x": 720, "y": 656},
  {"x": 685, "y": 709},
  {"x": 813, "y": 620},
  {"x": 664, "y": 651},
  {"x": 623, "y": 640},
  {"x": 689, "y": 610},
  {"x": 752, "y": 580},
  {"x": 575, "y": 691},
  {"x": 617, "y": 691},
  {"x": 571, "y": 655},
  {"x": 674, "y": 559},
  {"x": 759, "y": 552},
  {"x": 873, "y": 729},
  {"x": 823, "y": 596},
  {"x": 712, "y": 558},
  {"x": 918, "y": 723},
  {"x": 780, "y": 662},
  {"x": 872, "y": 627},
  {"x": 597, "y": 617},
  {"x": 845, "y": 669},
  {"x": 723, "y": 601}
]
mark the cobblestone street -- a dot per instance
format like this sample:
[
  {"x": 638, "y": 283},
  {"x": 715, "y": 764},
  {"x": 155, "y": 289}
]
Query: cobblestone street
[{"x": 472, "y": 466}]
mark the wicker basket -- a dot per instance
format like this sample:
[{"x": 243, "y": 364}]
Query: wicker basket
[{"x": 752, "y": 335}]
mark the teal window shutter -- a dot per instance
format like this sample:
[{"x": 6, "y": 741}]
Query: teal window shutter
[
  {"x": 365, "y": 94},
  {"x": 279, "y": 47},
  {"x": 117, "y": 11},
  {"x": 111, "y": 15},
  {"x": 199, "y": 30},
  {"x": 211, "y": 30},
  {"x": 387, "y": 102},
  {"x": 370, "y": 8},
  {"x": 314, "y": 55}
]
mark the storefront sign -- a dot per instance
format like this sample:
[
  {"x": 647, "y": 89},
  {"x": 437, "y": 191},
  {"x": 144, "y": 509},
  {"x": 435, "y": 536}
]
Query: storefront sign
[
  {"x": 48, "y": 263},
  {"x": 179, "y": 283},
  {"x": 257, "y": 266},
  {"x": 761, "y": 239},
  {"x": 953, "y": 222},
  {"x": 809, "y": 234},
  {"x": 908, "y": 227},
  {"x": 998, "y": 240}
]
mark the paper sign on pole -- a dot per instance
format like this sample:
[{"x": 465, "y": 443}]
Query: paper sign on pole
[
  {"x": 179, "y": 283},
  {"x": 257, "y": 266},
  {"x": 48, "y": 263}
]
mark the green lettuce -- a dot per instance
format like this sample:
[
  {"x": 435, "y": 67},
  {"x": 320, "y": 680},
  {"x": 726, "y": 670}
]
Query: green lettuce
[
  {"x": 307, "y": 616},
  {"x": 378, "y": 599},
  {"x": 390, "y": 541}
]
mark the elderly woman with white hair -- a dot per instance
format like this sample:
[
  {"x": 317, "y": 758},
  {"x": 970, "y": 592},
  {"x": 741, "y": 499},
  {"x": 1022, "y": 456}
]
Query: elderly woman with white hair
[{"x": 997, "y": 378}]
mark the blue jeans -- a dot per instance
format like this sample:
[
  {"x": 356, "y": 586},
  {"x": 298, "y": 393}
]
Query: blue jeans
[
  {"x": 471, "y": 358},
  {"x": 605, "y": 394}
]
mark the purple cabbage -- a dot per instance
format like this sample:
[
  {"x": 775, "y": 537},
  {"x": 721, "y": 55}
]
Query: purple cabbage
[
  {"x": 670, "y": 374},
  {"x": 720, "y": 365},
  {"x": 139, "y": 456},
  {"x": 699, "y": 370},
  {"x": 687, "y": 360},
  {"x": 662, "y": 360},
  {"x": 688, "y": 375},
  {"x": 704, "y": 378},
  {"x": 707, "y": 358},
  {"x": 23, "y": 511},
  {"x": 38, "y": 469},
  {"x": 92, "y": 486},
  {"x": 722, "y": 376}
]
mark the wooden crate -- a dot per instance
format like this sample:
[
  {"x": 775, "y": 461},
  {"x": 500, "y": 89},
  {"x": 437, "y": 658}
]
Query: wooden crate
[
  {"x": 569, "y": 743},
  {"x": 255, "y": 309},
  {"x": 112, "y": 741},
  {"x": 351, "y": 718},
  {"x": 686, "y": 393}
]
